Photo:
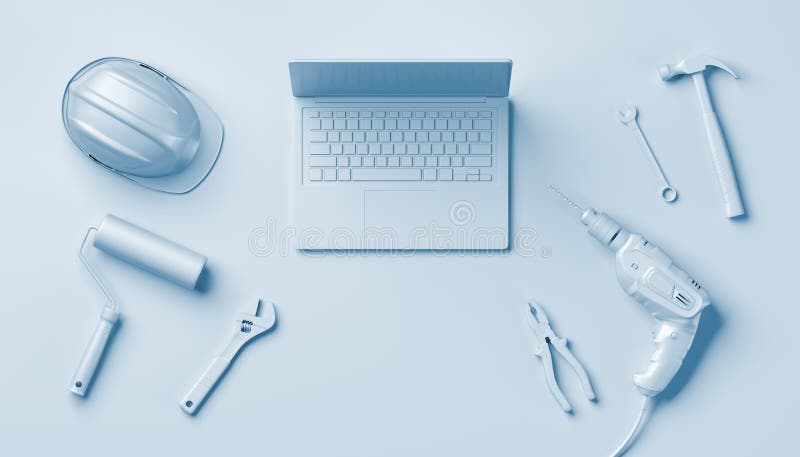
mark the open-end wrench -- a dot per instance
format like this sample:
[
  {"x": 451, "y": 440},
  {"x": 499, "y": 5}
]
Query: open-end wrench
[{"x": 627, "y": 115}]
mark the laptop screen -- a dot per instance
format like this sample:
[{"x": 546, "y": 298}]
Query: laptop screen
[{"x": 406, "y": 78}]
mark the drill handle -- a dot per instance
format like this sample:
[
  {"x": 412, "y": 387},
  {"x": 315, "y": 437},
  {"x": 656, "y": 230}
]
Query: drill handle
[{"x": 672, "y": 339}]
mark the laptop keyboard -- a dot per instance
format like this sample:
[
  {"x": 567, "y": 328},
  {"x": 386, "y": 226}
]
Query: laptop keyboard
[{"x": 375, "y": 144}]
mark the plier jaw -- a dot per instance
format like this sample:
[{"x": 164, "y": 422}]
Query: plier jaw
[{"x": 546, "y": 339}]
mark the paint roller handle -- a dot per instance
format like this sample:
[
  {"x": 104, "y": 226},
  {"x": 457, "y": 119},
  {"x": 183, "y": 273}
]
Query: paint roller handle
[
  {"x": 198, "y": 393},
  {"x": 94, "y": 352},
  {"x": 723, "y": 166}
]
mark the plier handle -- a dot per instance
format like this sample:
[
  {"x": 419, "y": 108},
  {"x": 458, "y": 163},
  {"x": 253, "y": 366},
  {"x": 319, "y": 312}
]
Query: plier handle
[{"x": 546, "y": 339}]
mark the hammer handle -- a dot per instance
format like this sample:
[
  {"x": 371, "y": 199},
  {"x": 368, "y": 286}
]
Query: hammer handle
[{"x": 723, "y": 166}]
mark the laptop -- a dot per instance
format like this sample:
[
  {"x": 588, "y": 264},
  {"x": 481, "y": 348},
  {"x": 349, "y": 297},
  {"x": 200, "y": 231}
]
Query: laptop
[{"x": 400, "y": 154}]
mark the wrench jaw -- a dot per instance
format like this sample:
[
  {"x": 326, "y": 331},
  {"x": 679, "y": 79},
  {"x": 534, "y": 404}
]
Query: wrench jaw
[{"x": 249, "y": 322}]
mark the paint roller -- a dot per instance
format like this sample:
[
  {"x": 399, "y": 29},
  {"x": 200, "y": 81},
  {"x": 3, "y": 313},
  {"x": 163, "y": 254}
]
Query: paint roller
[{"x": 145, "y": 250}]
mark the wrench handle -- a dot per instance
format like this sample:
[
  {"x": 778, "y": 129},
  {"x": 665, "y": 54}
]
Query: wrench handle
[
  {"x": 198, "y": 393},
  {"x": 93, "y": 352},
  {"x": 723, "y": 166}
]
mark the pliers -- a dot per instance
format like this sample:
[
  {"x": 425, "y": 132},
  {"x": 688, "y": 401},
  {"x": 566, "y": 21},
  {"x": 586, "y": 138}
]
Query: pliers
[
  {"x": 547, "y": 338},
  {"x": 247, "y": 324}
]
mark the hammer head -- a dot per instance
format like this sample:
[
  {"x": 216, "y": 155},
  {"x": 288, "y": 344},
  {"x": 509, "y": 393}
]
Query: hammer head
[{"x": 691, "y": 65}]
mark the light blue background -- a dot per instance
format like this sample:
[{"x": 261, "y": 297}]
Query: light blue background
[{"x": 423, "y": 355}]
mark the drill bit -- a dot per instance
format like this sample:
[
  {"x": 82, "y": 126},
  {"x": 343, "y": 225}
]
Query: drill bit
[{"x": 565, "y": 198}]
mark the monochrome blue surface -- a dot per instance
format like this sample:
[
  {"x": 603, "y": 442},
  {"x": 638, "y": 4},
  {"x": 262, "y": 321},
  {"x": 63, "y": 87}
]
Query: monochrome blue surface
[{"x": 423, "y": 354}]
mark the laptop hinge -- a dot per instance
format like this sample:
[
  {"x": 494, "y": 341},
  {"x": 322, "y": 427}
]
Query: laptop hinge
[{"x": 414, "y": 100}]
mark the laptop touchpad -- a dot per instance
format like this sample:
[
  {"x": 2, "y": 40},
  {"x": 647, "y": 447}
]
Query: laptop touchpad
[{"x": 403, "y": 219}]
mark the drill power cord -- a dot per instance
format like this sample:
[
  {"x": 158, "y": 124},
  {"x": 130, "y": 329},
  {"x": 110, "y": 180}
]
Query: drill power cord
[{"x": 644, "y": 413}]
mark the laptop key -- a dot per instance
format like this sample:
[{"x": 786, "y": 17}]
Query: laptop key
[
  {"x": 318, "y": 137},
  {"x": 472, "y": 161},
  {"x": 482, "y": 124},
  {"x": 322, "y": 161},
  {"x": 386, "y": 174},
  {"x": 315, "y": 174},
  {"x": 319, "y": 149},
  {"x": 429, "y": 174},
  {"x": 344, "y": 174},
  {"x": 446, "y": 174},
  {"x": 482, "y": 148},
  {"x": 329, "y": 174}
]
